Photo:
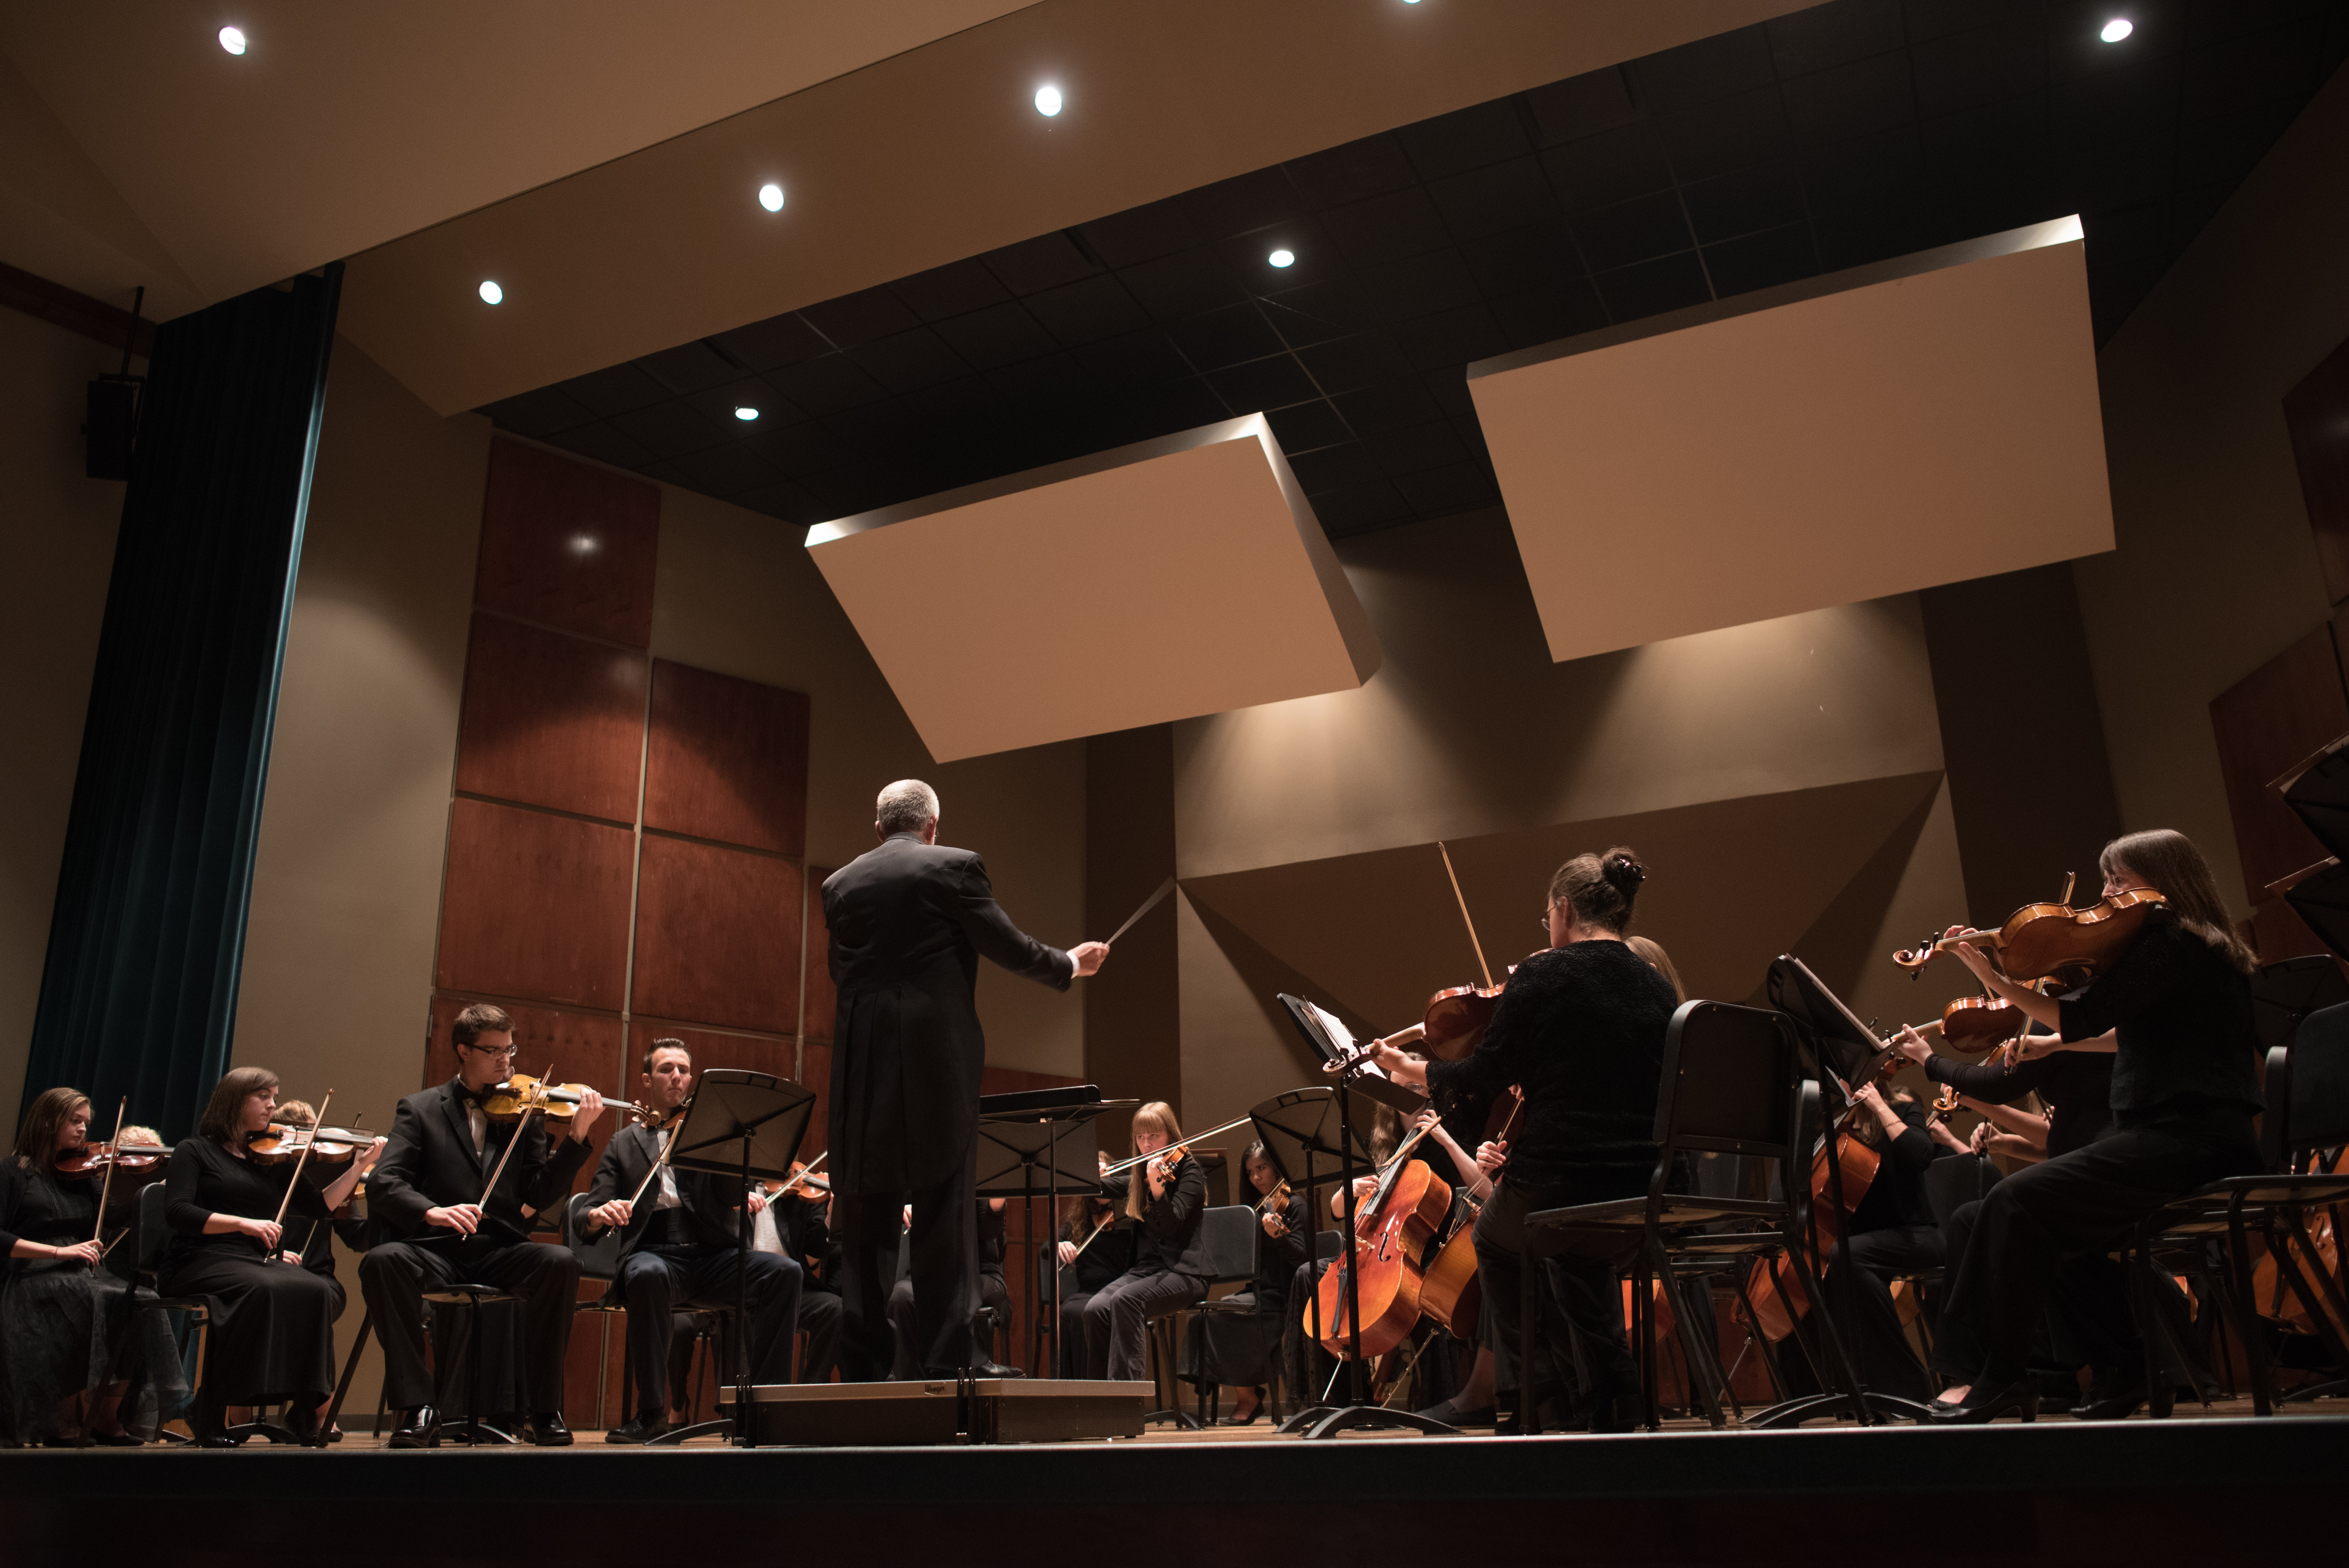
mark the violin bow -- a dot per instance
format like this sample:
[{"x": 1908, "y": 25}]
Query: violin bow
[
  {"x": 300, "y": 1160},
  {"x": 796, "y": 1176},
  {"x": 1466, "y": 919},
  {"x": 106, "y": 1188},
  {"x": 661, "y": 1162},
  {"x": 1106, "y": 1222}
]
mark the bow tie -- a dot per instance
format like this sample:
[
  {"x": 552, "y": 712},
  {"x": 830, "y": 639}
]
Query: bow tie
[{"x": 480, "y": 1097}]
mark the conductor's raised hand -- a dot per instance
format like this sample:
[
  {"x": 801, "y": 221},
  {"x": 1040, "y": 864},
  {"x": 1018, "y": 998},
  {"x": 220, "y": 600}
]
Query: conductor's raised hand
[{"x": 1087, "y": 956}]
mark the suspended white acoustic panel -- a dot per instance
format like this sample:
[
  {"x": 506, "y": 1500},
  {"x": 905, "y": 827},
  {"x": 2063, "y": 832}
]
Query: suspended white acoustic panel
[
  {"x": 1177, "y": 577},
  {"x": 1922, "y": 421}
]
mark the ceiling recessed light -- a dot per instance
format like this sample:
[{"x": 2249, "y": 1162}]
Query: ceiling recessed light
[
  {"x": 585, "y": 544},
  {"x": 1048, "y": 101},
  {"x": 491, "y": 292},
  {"x": 770, "y": 197},
  {"x": 1282, "y": 258},
  {"x": 233, "y": 39},
  {"x": 744, "y": 412},
  {"x": 2117, "y": 29}
]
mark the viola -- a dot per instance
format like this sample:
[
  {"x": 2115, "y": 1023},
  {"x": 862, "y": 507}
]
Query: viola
[
  {"x": 281, "y": 1144},
  {"x": 2040, "y": 941},
  {"x": 133, "y": 1160}
]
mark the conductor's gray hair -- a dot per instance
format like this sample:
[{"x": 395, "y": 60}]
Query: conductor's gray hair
[{"x": 906, "y": 807}]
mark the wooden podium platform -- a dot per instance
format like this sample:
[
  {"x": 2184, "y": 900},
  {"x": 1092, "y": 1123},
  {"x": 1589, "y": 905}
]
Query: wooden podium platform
[{"x": 938, "y": 1410}]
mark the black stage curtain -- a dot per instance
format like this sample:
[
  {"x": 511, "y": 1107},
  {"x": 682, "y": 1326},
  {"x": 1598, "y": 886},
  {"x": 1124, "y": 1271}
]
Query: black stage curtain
[{"x": 139, "y": 992}]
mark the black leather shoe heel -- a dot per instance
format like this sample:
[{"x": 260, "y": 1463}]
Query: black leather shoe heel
[{"x": 2020, "y": 1397}]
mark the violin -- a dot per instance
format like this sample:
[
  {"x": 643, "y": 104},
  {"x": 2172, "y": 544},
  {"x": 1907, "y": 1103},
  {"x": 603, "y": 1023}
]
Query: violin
[
  {"x": 1174, "y": 1155},
  {"x": 802, "y": 1177},
  {"x": 1945, "y": 1105},
  {"x": 280, "y": 1144},
  {"x": 137, "y": 1160},
  {"x": 1274, "y": 1205},
  {"x": 2040, "y": 941},
  {"x": 521, "y": 1094}
]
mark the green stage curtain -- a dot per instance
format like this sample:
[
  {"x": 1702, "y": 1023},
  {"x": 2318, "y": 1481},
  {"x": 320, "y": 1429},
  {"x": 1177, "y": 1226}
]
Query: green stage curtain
[{"x": 139, "y": 990}]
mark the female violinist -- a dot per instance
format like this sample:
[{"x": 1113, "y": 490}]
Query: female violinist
[
  {"x": 1095, "y": 1248},
  {"x": 1235, "y": 1349},
  {"x": 60, "y": 1313},
  {"x": 273, "y": 1337},
  {"x": 2173, "y": 1009},
  {"x": 1167, "y": 1196},
  {"x": 1581, "y": 1029}
]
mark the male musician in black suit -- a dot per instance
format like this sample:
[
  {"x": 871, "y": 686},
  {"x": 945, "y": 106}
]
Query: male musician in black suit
[
  {"x": 680, "y": 1251},
  {"x": 428, "y": 1186},
  {"x": 909, "y": 921}
]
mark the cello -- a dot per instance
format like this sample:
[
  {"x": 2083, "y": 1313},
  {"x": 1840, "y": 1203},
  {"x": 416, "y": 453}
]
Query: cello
[
  {"x": 1392, "y": 1232},
  {"x": 1772, "y": 1311}
]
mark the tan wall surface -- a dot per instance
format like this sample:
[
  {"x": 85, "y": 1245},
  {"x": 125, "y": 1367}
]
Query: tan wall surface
[
  {"x": 2216, "y": 570},
  {"x": 57, "y": 547}
]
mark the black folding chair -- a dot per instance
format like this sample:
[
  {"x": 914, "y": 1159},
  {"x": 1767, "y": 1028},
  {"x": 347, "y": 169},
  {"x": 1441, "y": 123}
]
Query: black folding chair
[
  {"x": 1233, "y": 1238},
  {"x": 136, "y": 1260},
  {"x": 1228, "y": 1233}
]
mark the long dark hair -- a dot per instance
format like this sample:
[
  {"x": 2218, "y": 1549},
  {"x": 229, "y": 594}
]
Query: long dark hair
[
  {"x": 2166, "y": 860},
  {"x": 227, "y": 1103},
  {"x": 45, "y": 1120}
]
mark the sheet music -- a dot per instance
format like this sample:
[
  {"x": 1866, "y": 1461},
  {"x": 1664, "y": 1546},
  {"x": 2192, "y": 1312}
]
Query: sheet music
[{"x": 1340, "y": 1037}]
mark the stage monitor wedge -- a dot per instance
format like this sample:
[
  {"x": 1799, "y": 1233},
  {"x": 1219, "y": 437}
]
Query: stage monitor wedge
[
  {"x": 1181, "y": 577},
  {"x": 1919, "y": 421}
]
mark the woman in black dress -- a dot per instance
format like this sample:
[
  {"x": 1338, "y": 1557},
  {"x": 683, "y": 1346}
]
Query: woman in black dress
[
  {"x": 273, "y": 1337},
  {"x": 1169, "y": 1198},
  {"x": 2175, "y": 1009},
  {"x": 60, "y": 1314},
  {"x": 1581, "y": 1028}
]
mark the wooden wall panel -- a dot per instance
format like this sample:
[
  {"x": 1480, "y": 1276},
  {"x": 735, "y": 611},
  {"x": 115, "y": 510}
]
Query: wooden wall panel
[
  {"x": 535, "y": 906},
  {"x": 718, "y": 936},
  {"x": 821, "y": 1003},
  {"x": 569, "y": 545},
  {"x": 727, "y": 759},
  {"x": 711, "y": 1048},
  {"x": 551, "y": 720},
  {"x": 2316, "y": 412},
  {"x": 2264, "y": 723},
  {"x": 815, "y": 1075}
]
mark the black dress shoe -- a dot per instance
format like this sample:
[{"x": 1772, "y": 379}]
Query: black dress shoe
[
  {"x": 644, "y": 1429},
  {"x": 1236, "y": 1420},
  {"x": 117, "y": 1440},
  {"x": 415, "y": 1429},
  {"x": 1984, "y": 1403},
  {"x": 1451, "y": 1415},
  {"x": 546, "y": 1430},
  {"x": 2111, "y": 1399}
]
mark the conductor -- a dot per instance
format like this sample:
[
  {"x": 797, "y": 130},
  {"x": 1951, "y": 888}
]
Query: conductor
[{"x": 909, "y": 921}]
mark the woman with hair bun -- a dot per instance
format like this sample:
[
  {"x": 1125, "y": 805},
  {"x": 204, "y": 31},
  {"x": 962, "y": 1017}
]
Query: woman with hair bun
[{"x": 1581, "y": 1029}]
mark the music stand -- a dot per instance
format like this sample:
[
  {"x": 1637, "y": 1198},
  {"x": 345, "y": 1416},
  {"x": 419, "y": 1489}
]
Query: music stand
[
  {"x": 1056, "y": 1138},
  {"x": 746, "y": 1124},
  {"x": 2285, "y": 993},
  {"x": 2319, "y": 795},
  {"x": 2322, "y": 900}
]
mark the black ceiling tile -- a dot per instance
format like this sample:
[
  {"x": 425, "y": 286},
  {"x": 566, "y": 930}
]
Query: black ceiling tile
[
  {"x": 1450, "y": 339},
  {"x": 1001, "y": 335},
  {"x": 785, "y": 500},
  {"x": 847, "y": 490},
  {"x": 826, "y": 386},
  {"x": 2112, "y": 105},
  {"x": 1695, "y": 73},
  {"x": 2208, "y": 23},
  {"x": 1848, "y": 101},
  {"x": 1261, "y": 383},
  {"x": 603, "y": 443},
  {"x": 1495, "y": 198},
  {"x": 718, "y": 403},
  {"x": 2005, "y": 140},
  {"x": 1613, "y": 166},
  {"x": 1183, "y": 284},
  {"x": 1466, "y": 138},
  {"x": 1141, "y": 233},
  {"x": 1244, "y": 202},
  {"x": 1968, "y": 69},
  {"x": 2279, "y": 62},
  {"x": 860, "y": 318},
  {"x": 966, "y": 402},
  {"x": 1449, "y": 388},
  {"x": 1652, "y": 288},
  {"x": 1226, "y": 336},
  {"x": 1581, "y": 106},
  {"x": 1632, "y": 231},
  {"x": 2117, "y": 174},
  {"x": 1086, "y": 311},
  {"x": 1418, "y": 284},
  {"x": 660, "y": 470},
  {"x": 1418, "y": 447},
  {"x": 1760, "y": 198},
  {"x": 539, "y": 414},
  {"x": 1384, "y": 227},
  {"x": 1334, "y": 468},
  {"x": 1759, "y": 260},
  {"x": 1545, "y": 315},
  {"x": 955, "y": 289},
  {"x": 803, "y": 449},
  {"x": 775, "y": 342},
  {"x": 1932, "y": 18},
  {"x": 1046, "y": 262},
  {"x": 1453, "y": 487},
  {"x": 1318, "y": 311},
  {"x": 1361, "y": 360},
  {"x": 690, "y": 367},
  {"x": 666, "y": 430},
  {"x": 617, "y": 390},
  {"x": 1138, "y": 359},
  {"x": 1852, "y": 237},
  {"x": 2225, "y": 149},
  {"x": 1350, "y": 172},
  {"x": 1313, "y": 255},
  {"x": 1538, "y": 256},
  {"x": 1734, "y": 133},
  {"x": 1394, "y": 407},
  {"x": 1470, "y": 436},
  {"x": 1303, "y": 426},
  {"x": 909, "y": 360},
  {"x": 1824, "y": 35},
  {"x": 1863, "y": 173},
  {"x": 1056, "y": 374},
  {"x": 1190, "y": 402},
  {"x": 1359, "y": 508},
  {"x": 725, "y": 470},
  {"x": 874, "y": 430}
]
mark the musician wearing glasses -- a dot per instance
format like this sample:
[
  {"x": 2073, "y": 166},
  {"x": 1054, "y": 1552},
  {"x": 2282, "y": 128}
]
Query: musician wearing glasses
[
  {"x": 429, "y": 1188},
  {"x": 680, "y": 1251}
]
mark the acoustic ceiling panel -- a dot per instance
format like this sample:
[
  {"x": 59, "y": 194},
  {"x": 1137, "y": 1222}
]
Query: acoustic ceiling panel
[
  {"x": 1177, "y": 577},
  {"x": 1923, "y": 420}
]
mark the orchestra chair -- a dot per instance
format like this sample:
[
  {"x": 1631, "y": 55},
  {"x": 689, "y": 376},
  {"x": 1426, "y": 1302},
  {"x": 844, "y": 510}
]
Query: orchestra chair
[
  {"x": 1233, "y": 1237},
  {"x": 1732, "y": 1084},
  {"x": 1229, "y": 1234},
  {"x": 2307, "y": 1094},
  {"x": 1950, "y": 1183},
  {"x": 138, "y": 1259},
  {"x": 599, "y": 1260}
]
